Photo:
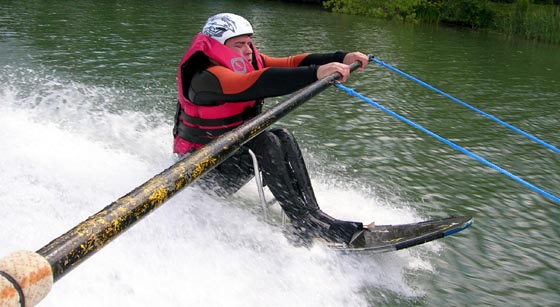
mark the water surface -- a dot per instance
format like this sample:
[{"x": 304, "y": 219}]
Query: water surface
[{"x": 87, "y": 96}]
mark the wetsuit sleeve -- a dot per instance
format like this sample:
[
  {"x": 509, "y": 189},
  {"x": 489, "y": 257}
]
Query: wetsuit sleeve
[
  {"x": 304, "y": 59},
  {"x": 218, "y": 84}
]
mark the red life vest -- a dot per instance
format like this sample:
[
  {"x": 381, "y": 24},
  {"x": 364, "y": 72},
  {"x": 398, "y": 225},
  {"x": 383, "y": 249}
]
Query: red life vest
[{"x": 195, "y": 125}]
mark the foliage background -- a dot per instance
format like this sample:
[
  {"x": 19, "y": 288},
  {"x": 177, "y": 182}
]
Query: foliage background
[{"x": 532, "y": 19}]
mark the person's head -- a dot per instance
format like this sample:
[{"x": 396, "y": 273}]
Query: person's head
[{"x": 232, "y": 31}]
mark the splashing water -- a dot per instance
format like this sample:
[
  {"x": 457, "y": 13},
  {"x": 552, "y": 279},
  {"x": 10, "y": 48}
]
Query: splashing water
[{"x": 68, "y": 150}]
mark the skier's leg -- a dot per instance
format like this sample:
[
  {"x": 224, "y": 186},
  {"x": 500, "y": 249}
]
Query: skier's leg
[
  {"x": 286, "y": 176},
  {"x": 228, "y": 177}
]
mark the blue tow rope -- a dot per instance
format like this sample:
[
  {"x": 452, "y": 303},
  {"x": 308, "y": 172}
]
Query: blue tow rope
[
  {"x": 426, "y": 85},
  {"x": 351, "y": 92}
]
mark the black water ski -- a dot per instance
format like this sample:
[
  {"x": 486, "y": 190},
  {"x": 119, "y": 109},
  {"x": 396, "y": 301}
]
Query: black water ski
[{"x": 386, "y": 238}]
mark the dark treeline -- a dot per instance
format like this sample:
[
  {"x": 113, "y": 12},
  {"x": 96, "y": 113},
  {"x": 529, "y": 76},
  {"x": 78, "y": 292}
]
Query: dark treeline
[{"x": 533, "y": 19}]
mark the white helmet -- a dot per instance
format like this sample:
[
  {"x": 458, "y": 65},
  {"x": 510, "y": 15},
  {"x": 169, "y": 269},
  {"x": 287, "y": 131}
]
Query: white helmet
[{"x": 224, "y": 26}]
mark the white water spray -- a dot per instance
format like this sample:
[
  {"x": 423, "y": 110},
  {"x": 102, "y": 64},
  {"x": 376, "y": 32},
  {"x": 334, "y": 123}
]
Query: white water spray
[{"x": 65, "y": 156}]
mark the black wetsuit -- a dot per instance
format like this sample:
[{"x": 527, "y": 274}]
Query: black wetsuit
[{"x": 278, "y": 154}]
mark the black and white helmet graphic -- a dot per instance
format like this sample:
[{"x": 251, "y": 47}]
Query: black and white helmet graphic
[{"x": 224, "y": 26}]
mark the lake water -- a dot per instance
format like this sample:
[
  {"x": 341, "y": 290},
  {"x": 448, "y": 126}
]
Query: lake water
[{"x": 87, "y": 96}]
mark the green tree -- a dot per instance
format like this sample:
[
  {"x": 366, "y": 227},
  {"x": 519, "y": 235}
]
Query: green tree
[{"x": 472, "y": 13}]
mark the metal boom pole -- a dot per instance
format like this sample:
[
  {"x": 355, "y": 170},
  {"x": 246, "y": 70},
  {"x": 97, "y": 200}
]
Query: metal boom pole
[{"x": 70, "y": 249}]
